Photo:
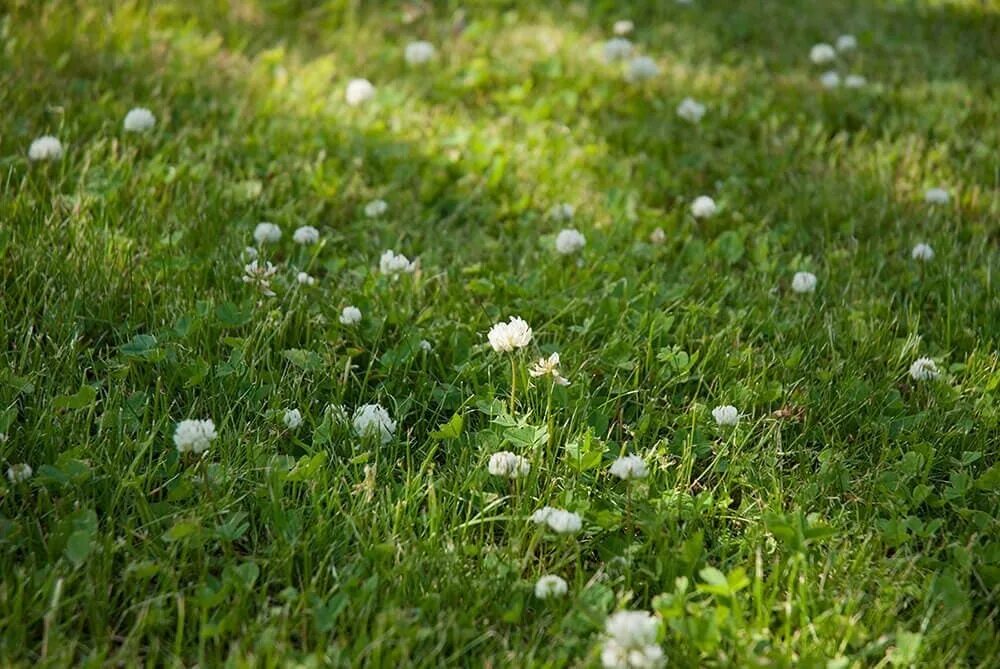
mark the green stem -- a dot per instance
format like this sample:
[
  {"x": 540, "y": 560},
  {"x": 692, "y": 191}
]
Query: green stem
[{"x": 513, "y": 382}]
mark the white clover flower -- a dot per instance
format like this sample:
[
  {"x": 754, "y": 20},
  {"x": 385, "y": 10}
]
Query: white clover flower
[
  {"x": 250, "y": 253},
  {"x": 830, "y": 79},
  {"x": 305, "y": 235},
  {"x": 562, "y": 212},
  {"x": 392, "y": 264},
  {"x": 505, "y": 337},
  {"x": 550, "y": 585},
  {"x": 418, "y": 53},
  {"x": 855, "y": 81},
  {"x": 657, "y": 236},
  {"x": 936, "y": 196},
  {"x": 376, "y": 208},
  {"x": 623, "y": 27},
  {"x": 569, "y": 241},
  {"x": 549, "y": 367},
  {"x": 45, "y": 148},
  {"x": 691, "y": 110},
  {"x": 616, "y": 656},
  {"x": 642, "y": 68},
  {"x": 266, "y": 233},
  {"x": 630, "y": 641},
  {"x": 359, "y": 91},
  {"x": 703, "y": 207},
  {"x": 804, "y": 282},
  {"x": 260, "y": 275},
  {"x": 374, "y": 421},
  {"x": 139, "y": 119},
  {"x": 194, "y": 436},
  {"x": 822, "y": 54},
  {"x": 425, "y": 346},
  {"x": 924, "y": 369},
  {"x": 19, "y": 473},
  {"x": 508, "y": 465},
  {"x": 629, "y": 467},
  {"x": 617, "y": 48},
  {"x": 558, "y": 520},
  {"x": 726, "y": 415},
  {"x": 923, "y": 252},
  {"x": 292, "y": 419},
  {"x": 350, "y": 316},
  {"x": 304, "y": 279},
  {"x": 847, "y": 43}
]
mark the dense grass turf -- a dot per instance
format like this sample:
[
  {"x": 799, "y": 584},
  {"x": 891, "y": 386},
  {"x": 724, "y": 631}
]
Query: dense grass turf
[{"x": 848, "y": 520}]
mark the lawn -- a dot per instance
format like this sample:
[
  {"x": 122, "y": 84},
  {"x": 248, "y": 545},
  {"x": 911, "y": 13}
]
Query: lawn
[{"x": 768, "y": 269}]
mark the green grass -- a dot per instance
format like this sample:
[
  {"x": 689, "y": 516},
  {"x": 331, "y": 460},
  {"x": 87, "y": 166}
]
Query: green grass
[{"x": 853, "y": 510}]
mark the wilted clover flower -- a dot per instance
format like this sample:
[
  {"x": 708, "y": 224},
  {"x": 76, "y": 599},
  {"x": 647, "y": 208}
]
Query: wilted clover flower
[
  {"x": 822, "y": 54},
  {"x": 292, "y": 419},
  {"x": 804, "y": 282},
  {"x": 642, "y": 68},
  {"x": 617, "y": 48},
  {"x": 691, "y": 110},
  {"x": 550, "y": 585},
  {"x": 350, "y": 316},
  {"x": 139, "y": 119},
  {"x": 570, "y": 241},
  {"x": 508, "y": 465},
  {"x": 45, "y": 148},
  {"x": 260, "y": 274},
  {"x": 549, "y": 367},
  {"x": 558, "y": 520},
  {"x": 630, "y": 641},
  {"x": 359, "y": 91},
  {"x": 373, "y": 420},
  {"x": 505, "y": 337},
  {"x": 629, "y": 467},
  {"x": 847, "y": 43},
  {"x": 19, "y": 473},
  {"x": 923, "y": 252},
  {"x": 305, "y": 235},
  {"x": 830, "y": 79},
  {"x": 936, "y": 196},
  {"x": 418, "y": 53},
  {"x": 703, "y": 207},
  {"x": 266, "y": 233},
  {"x": 726, "y": 415},
  {"x": 924, "y": 369},
  {"x": 393, "y": 264},
  {"x": 194, "y": 436},
  {"x": 376, "y": 208}
]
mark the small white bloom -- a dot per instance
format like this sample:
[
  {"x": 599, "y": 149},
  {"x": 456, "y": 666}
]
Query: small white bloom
[
  {"x": 359, "y": 91},
  {"x": 691, "y": 110},
  {"x": 936, "y": 196},
  {"x": 569, "y": 241},
  {"x": 45, "y": 148},
  {"x": 376, "y": 208},
  {"x": 374, "y": 420},
  {"x": 632, "y": 629},
  {"x": 19, "y": 473},
  {"x": 139, "y": 119},
  {"x": 350, "y": 316},
  {"x": 260, "y": 275},
  {"x": 549, "y": 367},
  {"x": 508, "y": 465},
  {"x": 304, "y": 279},
  {"x": 822, "y": 54},
  {"x": 194, "y": 436},
  {"x": 629, "y": 467},
  {"x": 855, "y": 81},
  {"x": 847, "y": 43},
  {"x": 266, "y": 233},
  {"x": 924, "y": 369},
  {"x": 550, "y": 585},
  {"x": 726, "y": 415},
  {"x": 292, "y": 419},
  {"x": 642, "y": 68},
  {"x": 623, "y": 27},
  {"x": 250, "y": 253},
  {"x": 305, "y": 235},
  {"x": 804, "y": 282},
  {"x": 418, "y": 53},
  {"x": 923, "y": 252},
  {"x": 830, "y": 79},
  {"x": 658, "y": 236},
  {"x": 559, "y": 520},
  {"x": 392, "y": 264},
  {"x": 703, "y": 207},
  {"x": 505, "y": 337},
  {"x": 617, "y": 656},
  {"x": 425, "y": 346},
  {"x": 562, "y": 211},
  {"x": 617, "y": 48}
]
